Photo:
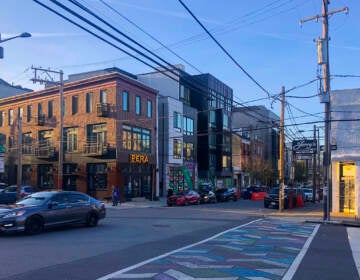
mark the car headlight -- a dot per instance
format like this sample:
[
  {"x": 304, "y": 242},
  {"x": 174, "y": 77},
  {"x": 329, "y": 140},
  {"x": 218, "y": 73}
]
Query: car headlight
[{"x": 15, "y": 214}]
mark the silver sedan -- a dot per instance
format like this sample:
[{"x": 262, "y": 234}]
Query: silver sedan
[{"x": 50, "y": 208}]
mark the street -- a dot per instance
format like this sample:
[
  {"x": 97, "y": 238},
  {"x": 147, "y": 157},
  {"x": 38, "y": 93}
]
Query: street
[{"x": 130, "y": 236}]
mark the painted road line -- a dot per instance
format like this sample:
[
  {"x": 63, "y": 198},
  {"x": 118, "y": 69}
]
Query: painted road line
[
  {"x": 294, "y": 266},
  {"x": 117, "y": 274},
  {"x": 354, "y": 240}
]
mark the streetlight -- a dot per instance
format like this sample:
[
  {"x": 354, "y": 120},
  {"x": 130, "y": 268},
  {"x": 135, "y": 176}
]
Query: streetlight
[{"x": 22, "y": 35}]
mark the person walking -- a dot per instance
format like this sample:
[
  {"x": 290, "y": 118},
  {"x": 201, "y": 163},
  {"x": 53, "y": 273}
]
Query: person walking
[{"x": 115, "y": 195}]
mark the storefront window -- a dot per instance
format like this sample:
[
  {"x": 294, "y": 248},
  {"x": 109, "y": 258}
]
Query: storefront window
[{"x": 96, "y": 176}]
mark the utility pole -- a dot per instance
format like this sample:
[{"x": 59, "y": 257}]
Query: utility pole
[
  {"x": 314, "y": 168},
  {"x": 323, "y": 59},
  {"x": 19, "y": 165},
  {"x": 50, "y": 80},
  {"x": 281, "y": 156}
]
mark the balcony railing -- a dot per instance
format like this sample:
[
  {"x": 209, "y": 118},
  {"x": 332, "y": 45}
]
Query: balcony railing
[
  {"x": 96, "y": 149},
  {"x": 27, "y": 149},
  {"x": 45, "y": 152},
  {"x": 103, "y": 109}
]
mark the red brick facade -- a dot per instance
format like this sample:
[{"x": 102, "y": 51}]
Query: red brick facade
[{"x": 96, "y": 158}]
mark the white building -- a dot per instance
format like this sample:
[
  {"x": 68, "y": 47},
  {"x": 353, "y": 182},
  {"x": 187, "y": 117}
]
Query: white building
[{"x": 345, "y": 160}]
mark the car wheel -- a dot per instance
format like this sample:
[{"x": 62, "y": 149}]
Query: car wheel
[
  {"x": 92, "y": 220},
  {"x": 34, "y": 225}
]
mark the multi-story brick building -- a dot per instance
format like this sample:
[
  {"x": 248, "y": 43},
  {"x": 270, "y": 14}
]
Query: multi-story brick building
[{"x": 109, "y": 135}]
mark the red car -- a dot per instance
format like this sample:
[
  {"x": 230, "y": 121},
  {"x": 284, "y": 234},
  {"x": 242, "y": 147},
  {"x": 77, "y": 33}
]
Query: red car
[{"x": 184, "y": 198}]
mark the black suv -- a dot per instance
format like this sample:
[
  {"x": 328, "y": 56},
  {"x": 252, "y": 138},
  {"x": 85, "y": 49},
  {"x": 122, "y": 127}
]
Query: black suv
[
  {"x": 272, "y": 198},
  {"x": 225, "y": 194}
]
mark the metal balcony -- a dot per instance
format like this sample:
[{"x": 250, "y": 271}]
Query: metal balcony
[
  {"x": 45, "y": 152},
  {"x": 96, "y": 149},
  {"x": 103, "y": 109}
]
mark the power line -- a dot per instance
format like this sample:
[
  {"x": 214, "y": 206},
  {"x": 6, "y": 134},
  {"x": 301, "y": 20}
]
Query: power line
[
  {"x": 224, "y": 50},
  {"x": 148, "y": 34}
]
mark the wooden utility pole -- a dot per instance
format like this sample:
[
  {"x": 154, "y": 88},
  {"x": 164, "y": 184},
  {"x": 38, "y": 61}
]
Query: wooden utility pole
[
  {"x": 281, "y": 156},
  {"x": 323, "y": 59},
  {"x": 19, "y": 161},
  {"x": 314, "y": 168}
]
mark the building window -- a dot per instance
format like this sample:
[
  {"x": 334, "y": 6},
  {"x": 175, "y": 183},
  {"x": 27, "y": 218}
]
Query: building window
[
  {"x": 136, "y": 139},
  {"x": 177, "y": 148},
  {"x": 96, "y": 176},
  {"x": 27, "y": 142},
  {"x": 188, "y": 126},
  {"x": 89, "y": 102},
  {"x": 103, "y": 97},
  {"x": 74, "y": 104},
  {"x": 225, "y": 122},
  {"x": 50, "y": 109},
  {"x": 20, "y": 112},
  {"x": 96, "y": 133},
  {"x": 184, "y": 94},
  {"x": 149, "y": 109},
  {"x": 137, "y": 105},
  {"x": 189, "y": 151},
  {"x": 177, "y": 120},
  {"x": 10, "y": 116},
  {"x": 226, "y": 143},
  {"x": 29, "y": 113},
  {"x": 212, "y": 119},
  {"x": 71, "y": 139},
  {"x": 212, "y": 141},
  {"x": 136, "y": 136},
  {"x": 226, "y": 162},
  {"x": 40, "y": 110},
  {"x": 125, "y": 101},
  {"x": 212, "y": 161},
  {"x": 2, "y": 114}
]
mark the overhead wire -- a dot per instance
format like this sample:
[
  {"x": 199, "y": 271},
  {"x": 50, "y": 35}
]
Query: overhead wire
[{"x": 224, "y": 50}]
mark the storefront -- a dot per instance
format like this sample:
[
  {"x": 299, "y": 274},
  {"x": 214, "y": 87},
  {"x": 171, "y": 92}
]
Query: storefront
[
  {"x": 138, "y": 175},
  {"x": 345, "y": 187}
]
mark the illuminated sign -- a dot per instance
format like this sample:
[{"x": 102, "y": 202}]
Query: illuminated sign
[{"x": 137, "y": 158}]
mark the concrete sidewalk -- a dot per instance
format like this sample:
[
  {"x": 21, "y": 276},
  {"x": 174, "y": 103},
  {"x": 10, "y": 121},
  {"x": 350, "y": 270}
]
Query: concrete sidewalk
[{"x": 141, "y": 203}]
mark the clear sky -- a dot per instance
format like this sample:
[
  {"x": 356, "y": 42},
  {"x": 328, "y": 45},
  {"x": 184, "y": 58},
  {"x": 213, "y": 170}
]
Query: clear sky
[{"x": 264, "y": 36}]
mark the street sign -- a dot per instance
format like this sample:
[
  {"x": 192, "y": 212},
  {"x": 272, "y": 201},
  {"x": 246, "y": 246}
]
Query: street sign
[
  {"x": 333, "y": 148},
  {"x": 304, "y": 157},
  {"x": 304, "y": 146}
]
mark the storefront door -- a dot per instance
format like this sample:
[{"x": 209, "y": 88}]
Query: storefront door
[{"x": 347, "y": 189}]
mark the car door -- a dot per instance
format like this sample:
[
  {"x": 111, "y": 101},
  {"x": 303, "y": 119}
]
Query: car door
[
  {"x": 79, "y": 206},
  {"x": 8, "y": 195},
  {"x": 57, "y": 212}
]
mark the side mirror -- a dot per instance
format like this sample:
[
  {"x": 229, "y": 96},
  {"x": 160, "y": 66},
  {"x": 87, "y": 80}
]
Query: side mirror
[{"x": 51, "y": 204}]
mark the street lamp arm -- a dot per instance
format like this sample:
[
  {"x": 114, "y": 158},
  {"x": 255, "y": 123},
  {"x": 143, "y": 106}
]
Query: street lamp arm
[{"x": 22, "y": 35}]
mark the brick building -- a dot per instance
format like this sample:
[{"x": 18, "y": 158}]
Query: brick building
[{"x": 109, "y": 135}]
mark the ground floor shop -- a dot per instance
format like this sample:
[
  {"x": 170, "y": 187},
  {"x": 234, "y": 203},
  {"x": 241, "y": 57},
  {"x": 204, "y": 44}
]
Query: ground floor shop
[
  {"x": 345, "y": 195},
  {"x": 179, "y": 177}
]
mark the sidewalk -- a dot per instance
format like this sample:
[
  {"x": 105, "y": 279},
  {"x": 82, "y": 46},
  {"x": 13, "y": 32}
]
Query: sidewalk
[{"x": 141, "y": 203}]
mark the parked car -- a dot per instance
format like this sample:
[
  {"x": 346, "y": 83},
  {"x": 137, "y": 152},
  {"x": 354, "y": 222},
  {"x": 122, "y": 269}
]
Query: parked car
[
  {"x": 206, "y": 193},
  {"x": 249, "y": 190},
  {"x": 183, "y": 198},
  {"x": 2, "y": 186},
  {"x": 50, "y": 208},
  {"x": 309, "y": 194},
  {"x": 225, "y": 194},
  {"x": 272, "y": 198},
  {"x": 8, "y": 195}
]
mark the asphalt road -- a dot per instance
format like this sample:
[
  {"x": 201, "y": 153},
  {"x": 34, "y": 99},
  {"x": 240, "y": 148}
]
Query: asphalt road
[{"x": 124, "y": 238}]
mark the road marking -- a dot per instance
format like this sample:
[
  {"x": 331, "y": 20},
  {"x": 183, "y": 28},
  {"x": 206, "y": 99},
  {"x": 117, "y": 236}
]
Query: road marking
[
  {"x": 119, "y": 272},
  {"x": 294, "y": 266},
  {"x": 354, "y": 240}
]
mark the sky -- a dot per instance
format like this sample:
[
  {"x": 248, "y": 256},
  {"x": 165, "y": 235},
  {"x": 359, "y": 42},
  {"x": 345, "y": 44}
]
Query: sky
[{"x": 263, "y": 36}]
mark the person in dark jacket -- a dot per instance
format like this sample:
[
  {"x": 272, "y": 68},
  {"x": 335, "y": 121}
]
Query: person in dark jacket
[{"x": 115, "y": 195}]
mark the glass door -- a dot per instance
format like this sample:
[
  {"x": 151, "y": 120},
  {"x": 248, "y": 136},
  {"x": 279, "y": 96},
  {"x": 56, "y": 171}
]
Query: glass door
[{"x": 347, "y": 189}]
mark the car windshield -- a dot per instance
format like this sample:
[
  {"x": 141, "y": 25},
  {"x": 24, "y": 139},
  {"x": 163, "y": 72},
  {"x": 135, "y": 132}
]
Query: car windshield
[
  {"x": 276, "y": 191},
  {"x": 35, "y": 199}
]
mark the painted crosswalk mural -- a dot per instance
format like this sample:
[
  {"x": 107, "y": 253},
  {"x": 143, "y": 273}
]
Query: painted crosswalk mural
[{"x": 261, "y": 250}]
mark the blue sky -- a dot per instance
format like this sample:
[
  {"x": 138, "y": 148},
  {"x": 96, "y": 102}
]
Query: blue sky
[{"x": 264, "y": 36}]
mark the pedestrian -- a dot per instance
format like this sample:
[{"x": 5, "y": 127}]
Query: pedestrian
[
  {"x": 170, "y": 192},
  {"x": 115, "y": 195}
]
